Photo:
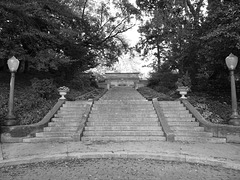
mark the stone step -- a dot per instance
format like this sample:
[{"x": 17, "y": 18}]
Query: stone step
[
  {"x": 78, "y": 102},
  {"x": 187, "y": 128},
  {"x": 176, "y": 112},
  {"x": 116, "y": 106},
  {"x": 124, "y": 138},
  {"x": 72, "y": 110},
  {"x": 182, "y": 119},
  {"x": 74, "y": 119},
  {"x": 123, "y": 128},
  {"x": 171, "y": 105},
  {"x": 123, "y": 115},
  {"x": 63, "y": 124},
  {"x": 182, "y": 123},
  {"x": 193, "y": 133},
  {"x": 173, "y": 108},
  {"x": 124, "y": 119},
  {"x": 177, "y": 115},
  {"x": 54, "y": 134},
  {"x": 169, "y": 102},
  {"x": 61, "y": 129},
  {"x": 200, "y": 139},
  {"x": 75, "y": 106},
  {"x": 123, "y": 133},
  {"x": 49, "y": 139},
  {"x": 134, "y": 109},
  {"x": 72, "y": 106},
  {"x": 123, "y": 103},
  {"x": 132, "y": 123},
  {"x": 69, "y": 116}
]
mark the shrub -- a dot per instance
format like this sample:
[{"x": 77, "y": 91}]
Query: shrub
[
  {"x": 165, "y": 80},
  {"x": 44, "y": 88},
  {"x": 29, "y": 107},
  {"x": 82, "y": 81},
  {"x": 212, "y": 110},
  {"x": 161, "y": 89},
  {"x": 185, "y": 80}
]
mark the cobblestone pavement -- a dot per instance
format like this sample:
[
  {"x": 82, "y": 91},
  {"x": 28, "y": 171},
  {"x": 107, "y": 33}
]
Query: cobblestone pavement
[{"x": 117, "y": 169}]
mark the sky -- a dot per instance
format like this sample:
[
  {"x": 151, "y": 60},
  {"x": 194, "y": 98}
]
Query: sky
[{"x": 132, "y": 35}]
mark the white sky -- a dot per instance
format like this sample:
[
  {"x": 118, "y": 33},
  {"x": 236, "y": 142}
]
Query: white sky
[{"x": 132, "y": 35}]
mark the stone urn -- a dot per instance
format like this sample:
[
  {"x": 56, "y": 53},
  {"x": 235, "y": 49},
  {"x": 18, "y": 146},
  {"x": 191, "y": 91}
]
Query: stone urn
[
  {"x": 183, "y": 90},
  {"x": 63, "y": 92}
]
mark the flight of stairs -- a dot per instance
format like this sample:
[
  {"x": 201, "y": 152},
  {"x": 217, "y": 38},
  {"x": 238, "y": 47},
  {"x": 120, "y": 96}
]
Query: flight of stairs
[
  {"x": 122, "y": 114},
  {"x": 184, "y": 125},
  {"x": 66, "y": 124}
]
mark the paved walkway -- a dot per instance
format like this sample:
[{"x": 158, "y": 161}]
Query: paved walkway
[{"x": 225, "y": 155}]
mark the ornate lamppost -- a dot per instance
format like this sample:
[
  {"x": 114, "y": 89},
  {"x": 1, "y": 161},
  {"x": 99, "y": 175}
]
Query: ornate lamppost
[
  {"x": 231, "y": 62},
  {"x": 10, "y": 120}
]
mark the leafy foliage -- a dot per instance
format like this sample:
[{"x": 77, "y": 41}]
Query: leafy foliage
[
  {"x": 34, "y": 97},
  {"x": 29, "y": 107},
  {"x": 211, "y": 109},
  {"x": 44, "y": 88},
  {"x": 180, "y": 34},
  {"x": 60, "y": 35},
  {"x": 185, "y": 80},
  {"x": 164, "y": 80}
]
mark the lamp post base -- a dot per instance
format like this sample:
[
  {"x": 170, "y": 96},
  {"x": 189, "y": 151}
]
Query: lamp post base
[
  {"x": 234, "y": 122},
  {"x": 10, "y": 121}
]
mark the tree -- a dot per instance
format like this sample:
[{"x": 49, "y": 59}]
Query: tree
[
  {"x": 63, "y": 35},
  {"x": 173, "y": 29},
  {"x": 197, "y": 42},
  {"x": 32, "y": 30}
]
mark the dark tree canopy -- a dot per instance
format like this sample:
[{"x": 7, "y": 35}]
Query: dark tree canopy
[
  {"x": 192, "y": 36},
  {"x": 50, "y": 35}
]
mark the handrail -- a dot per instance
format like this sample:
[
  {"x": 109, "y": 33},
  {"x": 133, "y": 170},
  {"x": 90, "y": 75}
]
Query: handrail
[
  {"x": 166, "y": 129},
  {"x": 82, "y": 124},
  {"x": 219, "y": 130}
]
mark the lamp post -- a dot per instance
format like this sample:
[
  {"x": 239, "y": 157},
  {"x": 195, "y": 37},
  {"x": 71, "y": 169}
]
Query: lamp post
[
  {"x": 231, "y": 62},
  {"x": 10, "y": 120}
]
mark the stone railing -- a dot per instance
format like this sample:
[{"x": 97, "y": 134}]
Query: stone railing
[{"x": 231, "y": 133}]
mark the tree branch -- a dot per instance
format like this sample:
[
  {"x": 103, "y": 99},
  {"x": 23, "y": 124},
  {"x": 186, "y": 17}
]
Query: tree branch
[{"x": 84, "y": 8}]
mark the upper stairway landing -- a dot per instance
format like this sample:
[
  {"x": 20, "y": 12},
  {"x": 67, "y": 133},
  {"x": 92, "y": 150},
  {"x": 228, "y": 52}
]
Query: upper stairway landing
[{"x": 122, "y": 93}]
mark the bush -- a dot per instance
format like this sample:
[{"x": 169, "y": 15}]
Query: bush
[
  {"x": 162, "y": 81},
  {"x": 44, "y": 88},
  {"x": 212, "y": 110},
  {"x": 82, "y": 81},
  {"x": 30, "y": 108},
  {"x": 184, "y": 81},
  {"x": 161, "y": 89}
]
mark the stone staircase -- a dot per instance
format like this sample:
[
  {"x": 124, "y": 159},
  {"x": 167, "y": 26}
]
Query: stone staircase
[
  {"x": 66, "y": 123},
  {"x": 122, "y": 114},
  {"x": 184, "y": 125}
]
